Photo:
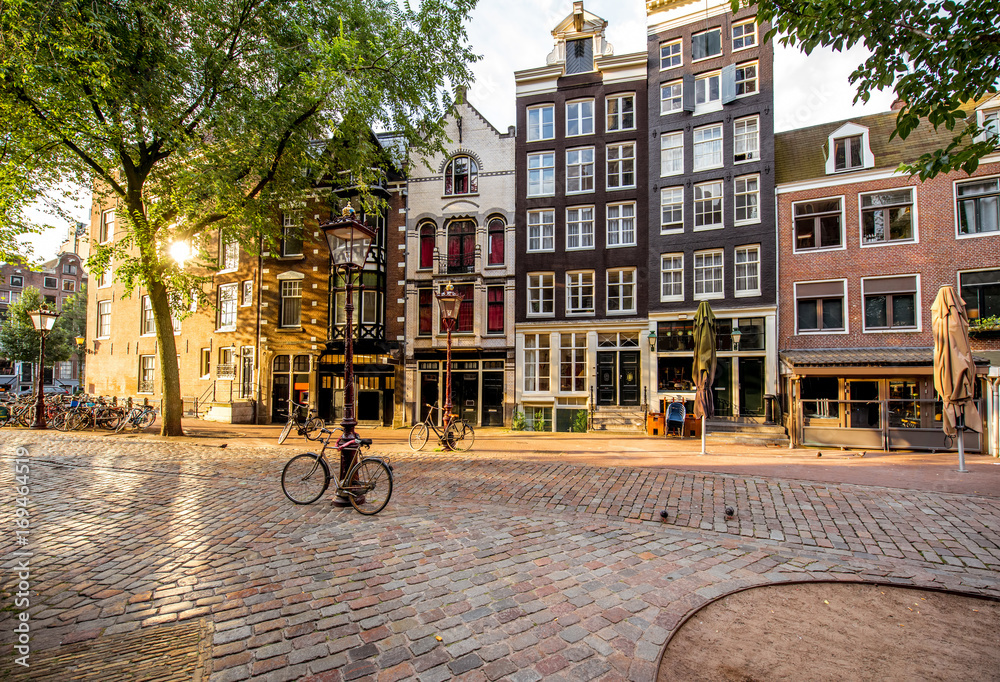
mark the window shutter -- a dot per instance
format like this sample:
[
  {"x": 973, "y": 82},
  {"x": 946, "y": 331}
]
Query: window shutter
[
  {"x": 687, "y": 96},
  {"x": 728, "y": 83}
]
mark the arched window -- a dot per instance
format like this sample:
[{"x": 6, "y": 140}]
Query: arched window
[
  {"x": 426, "y": 246},
  {"x": 461, "y": 246},
  {"x": 495, "y": 236},
  {"x": 461, "y": 176}
]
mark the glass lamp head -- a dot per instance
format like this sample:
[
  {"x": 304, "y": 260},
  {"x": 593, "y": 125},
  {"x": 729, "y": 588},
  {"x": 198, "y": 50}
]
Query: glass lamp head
[{"x": 349, "y": 240}]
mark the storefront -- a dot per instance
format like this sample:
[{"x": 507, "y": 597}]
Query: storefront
[{"x": 477, "y": 388}]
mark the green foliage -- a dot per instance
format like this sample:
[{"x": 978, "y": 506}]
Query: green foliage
[
  {"x": 580, "y": 422},
  {"x": 985, "y": 324},
  {"x": 936, "y": 54},
  {"x": 20, "y": 342},
  {"x": 517, "y": 421}
]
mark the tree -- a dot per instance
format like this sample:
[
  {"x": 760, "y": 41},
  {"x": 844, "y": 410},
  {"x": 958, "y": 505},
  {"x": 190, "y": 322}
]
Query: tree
[
  {"x": 201, "y": 116},
  {"x": 20, "y": 342},
  {"x": 936, "y": 54}
]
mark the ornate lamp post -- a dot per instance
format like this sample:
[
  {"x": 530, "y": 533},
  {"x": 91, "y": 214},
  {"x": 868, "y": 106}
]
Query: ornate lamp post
[
  {"x": 736, "y": 336},
  {"x": 349, "y": 241},
  {"x": 450, "y": 302},
  {"x": 43, "y": 321}
]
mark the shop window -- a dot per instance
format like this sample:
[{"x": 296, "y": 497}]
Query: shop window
[
  {"x": 673, "y": 373},
  {"x": 820, "y": 396}
]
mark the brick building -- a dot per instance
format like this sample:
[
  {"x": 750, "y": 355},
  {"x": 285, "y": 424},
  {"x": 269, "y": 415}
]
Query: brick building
[
  {"x": 461, "y": 230},
  {"x": 863, "y": 250}
]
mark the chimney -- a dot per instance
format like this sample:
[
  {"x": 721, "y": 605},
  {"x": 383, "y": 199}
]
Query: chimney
[
  {"x": 898, "y": 104},
  {"x": 578, "y": 15}
]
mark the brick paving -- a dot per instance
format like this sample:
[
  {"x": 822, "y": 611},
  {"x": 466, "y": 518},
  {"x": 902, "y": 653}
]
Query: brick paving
[{"x": 479, "y": 569}]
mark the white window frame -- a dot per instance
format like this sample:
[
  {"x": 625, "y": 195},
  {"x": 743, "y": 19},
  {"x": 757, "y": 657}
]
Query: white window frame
[
  {"x": 545, "y": 240},
  {"x": 741, "y": 24},
  {"x": 755, "y": 80},
  {"x": 708, "y": 105},
  {"x": 737, "y": 265},
  {"x": 205, "y": 367},
  {"x": 679, "y": 43},
  {"x": 677, "y": 268},
  {"x": 19, "y": 279},
  {"x": 580, "y": 117},
  {"x": 576, "y": 364},
  {"x": 621, "y": 228},
  {"x": 147, "y": 320},
  {"x": 291, "y": 221},
  {"x": 722, "y": 205},
  {"x": 673, "y": 194},
  {"x": 619, "y": 116},
  {"x": 289, "y": 289},
  {"x": 914, "y": 238},
  {"x": 624, "y": 285},
  {"x": 843, "y": 226},
  {"x": 576, "y": 159},
  {"x": 69, "y": 286},
  {"x": 542, "y": 175},
  {"x": 540, "y": 109},
  {"x": 222, "y": 302},
  {"x": 712, "y": 141},
  {"x": 671, "y": 153},
  {"x": 103, "y": 319},
  {"x": 711, "y": 56},
  {"x": 226, "y": 263},
  {"x": 845, "y": 297},
  {"x": 917, "y": 311},
  {"x": 746, "y": 193},
  {"x": 576, "y": 285},
  {"x": 584, "y": 230},
  {"x": 246, "y": 293},
  {"x": 147, "y": 363},
  {"x": 745, "y": 137},
  {"x": 621, "y": 165},
  {"x": 46, "y": 285},
  {"x": 955, "y": 200},
  {"x": 106, "y": 230},
  {"x": 535, "y": 381},
  {"x": 718, "y": 264},
  {"x": 667, "y": 97},
  {"x": 849, "y": 130},
  {"x": 541, "y": 289}
]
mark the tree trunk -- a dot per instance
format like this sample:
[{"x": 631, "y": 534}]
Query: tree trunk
[{"x": 172, "y": 405}]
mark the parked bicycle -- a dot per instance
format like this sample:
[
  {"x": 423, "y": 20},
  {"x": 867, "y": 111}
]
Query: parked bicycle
[
  {"x": 138, "y": 419},
  {"x": 310, "y": 428},
  {"x": 368, "y": 483},
  {"x": 459, "y": 434}
]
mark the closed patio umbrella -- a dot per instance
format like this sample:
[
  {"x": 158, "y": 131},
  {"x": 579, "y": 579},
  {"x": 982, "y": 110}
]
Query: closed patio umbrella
[
  {"x": 954, "y": 368},
  {"x": 703, "y": 369}
]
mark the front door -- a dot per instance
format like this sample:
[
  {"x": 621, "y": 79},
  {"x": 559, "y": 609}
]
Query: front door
[
  {"x": 492, "y": 399},
  {"x": 751, "y": 387},
  {"x": 628, "y": 378},
  {"x": 864, "y": 402},
  {"x": 428, "y": 395},
  {"x": 465, "y": 395},
  {"x": 279, "y": 398},
  {"x": 606, "y": 372}
]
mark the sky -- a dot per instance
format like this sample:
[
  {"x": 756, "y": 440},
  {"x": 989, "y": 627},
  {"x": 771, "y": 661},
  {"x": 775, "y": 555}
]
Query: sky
[{"x": 512, "y": 35}]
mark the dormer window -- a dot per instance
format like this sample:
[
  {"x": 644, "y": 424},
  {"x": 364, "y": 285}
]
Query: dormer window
[
  {"x": 461, "y": 176},
  {"x": 579, "y": 55},
  {"x": 849, "y": 149},
  {"x": 847, "y": 153}
]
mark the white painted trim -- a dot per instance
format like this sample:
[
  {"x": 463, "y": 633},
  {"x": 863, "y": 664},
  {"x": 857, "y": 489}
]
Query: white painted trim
[
  {"x": 954, "y": 205},
  {"x": 843, "y": 226},
  {"x": 913, "y": 218},
  {"x": 917, "y": 313},
  {"x": 849, "y": 129},
  {"x": 847, "y": 308}
]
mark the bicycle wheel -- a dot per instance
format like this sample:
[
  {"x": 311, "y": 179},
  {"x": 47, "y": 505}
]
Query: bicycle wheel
[
  {"x": 370, "y": 487},
  {"x": 109, "y": 420},
  {"x": 460, "y": 436},
  {"x": 418, "y": 436},
  {"x": 312, "y": 428},
  {"x": 129, "y": 420},
  {"x": 146, "y": 420},
  {"x": 285, "y": 431},
  {"x": 305, "y": 478}
]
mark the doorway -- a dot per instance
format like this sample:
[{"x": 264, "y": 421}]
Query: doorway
[
  {"x": 864, "y": 402},
  {"x": 628, "y": 378},
  {"x": 751, "y": 387},
  {"x": 606, "y": 378}
]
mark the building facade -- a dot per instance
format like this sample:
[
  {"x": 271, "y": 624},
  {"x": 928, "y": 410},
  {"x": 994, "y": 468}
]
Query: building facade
[
  {"x": 582, "y": 233},
  {"x": 711, "y": 201},
  {"x": 460, "y": 230},
  {"x": 864, "y": 250}
]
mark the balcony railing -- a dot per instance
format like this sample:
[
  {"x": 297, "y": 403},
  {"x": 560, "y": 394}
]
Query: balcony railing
[{"x": 225, "y": 371}]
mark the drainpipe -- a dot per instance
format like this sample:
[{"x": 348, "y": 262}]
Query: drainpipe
[{"x": 256, "y": 349}]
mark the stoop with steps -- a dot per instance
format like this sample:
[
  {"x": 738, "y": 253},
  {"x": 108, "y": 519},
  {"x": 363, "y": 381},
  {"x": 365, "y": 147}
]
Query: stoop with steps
[
  {"x": 747, "y": 433},
  {"x": 619, "y": 419}
]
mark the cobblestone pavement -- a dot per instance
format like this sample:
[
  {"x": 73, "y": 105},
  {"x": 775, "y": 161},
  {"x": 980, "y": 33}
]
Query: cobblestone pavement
[{"x": 478, "y": 569}]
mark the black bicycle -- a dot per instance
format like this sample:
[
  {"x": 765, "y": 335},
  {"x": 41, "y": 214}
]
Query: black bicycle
[
  {"x": 459, "y": 435},
  {"x": 309, "y": 428}
]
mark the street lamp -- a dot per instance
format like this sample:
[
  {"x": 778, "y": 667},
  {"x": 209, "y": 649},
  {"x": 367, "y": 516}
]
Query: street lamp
[
  {"x": 736, "y": 336},
  {"x": 450, "y": 302},
  {"x": 43, "y": 321},
  {"x": 652, "y": 341},
  {"x": 349, "y": 241}
]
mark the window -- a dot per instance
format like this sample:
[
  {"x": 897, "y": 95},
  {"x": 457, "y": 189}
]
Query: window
[
  {"x": 708, "y": 205},
  {"x": 672, "y": 277},
  {"x": 426, "y": 246},
  {"x": 819, "y": 307},
  {"x": 708, "y": 147},
  {"x": 579, "y": 55},
  {"x": 247, "y": 293},
  {"x": 64, "y": 369},
  {"x": 748, "y": 270},
  {"x": 147, "y": 373},
  {"x": 466, "y": 309},
  {"x": 461, "y": 246},
  {"x": 977, "y": 207},
  {"x": 981, "y": 292},
  {"x": 620, "y": 112},
  {"x": 4, "y": 297},
  {"x": 542, "y": 230},
  {"x": 746, "y": 79},
  {"x": 425, "y": 312},
  {"x": 291, "y": 234},
  {"x": 621, "y": 291},
  {"x": 69, "y": 285},
  {"x": 227, "y": 306},
  {"x": 706, "y": 92},
  {"x": 291, "y": 303},
  {"x": 573, "y": 362},
  {"x": 706, "y": 44},
  {"x": 541, "y": 123},
  {"x": 69, "y": 268},
  {"x": 536, "y": 362},
  {"x": 226, "y": 368},
  {"x": 887, "y": 217},
  {"x": 671, "y": 209},
  {"x": 541, "y": 294},
  {"x": 103, "y": 319},
  {"x": 890, "y": 303},
  {"x": 580, "y": 228},
  {"x": 746, "y": 139},
  {"x": 580, "y": 293},
  {"x": 580, "y": 170},
  {"x": 541, "y": 174},
  {"x": 229, "y": 254},
  {"x": 671, "y": 97},
  {"x": 461, "y": 176},
  {"x": 991, "y": 124},
  {"x": 494, "y": 310},
  {"x": 147, "y": 322},
  {"x": 621, "y": 165},
  {"x": 621, "y": 224},
  {"x": 107, "y": 228},
  {"x": 708, "y": 274},
  {"x": 747, "y": 199},
  {"x": 205, "y": 366},
  {"x": 671, "y": 154},
  {"x": 17, "y": 280},
  {"x": 744, "y": 35},
  {"x": 50, "y": 283},
  {"x": 818, "y": 224},
  {"x": 580, "y": 118},
  {"x": 670, "y": 54},
  {"x": 496, "y": 237},
  {"x": 847, "y": 153}
]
